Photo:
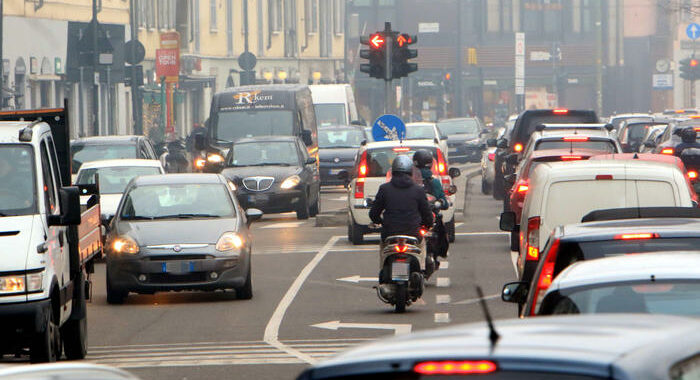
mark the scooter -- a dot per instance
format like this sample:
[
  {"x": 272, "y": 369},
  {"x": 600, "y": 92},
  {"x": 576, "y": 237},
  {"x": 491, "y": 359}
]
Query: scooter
[
  {"x": 691, "y": 160},
  {"x": 401, "y": 280}
]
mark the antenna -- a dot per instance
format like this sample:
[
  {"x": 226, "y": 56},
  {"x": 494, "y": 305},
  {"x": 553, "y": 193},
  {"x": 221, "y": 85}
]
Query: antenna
[{"x": 493, "y": 335}]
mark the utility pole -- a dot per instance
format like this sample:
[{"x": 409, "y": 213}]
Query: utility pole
[
  {"x": 95, "y": 65},
  {"x": 245, "y": 23},
  {"x": 388, "y": 73},
  {"x": 460, "y": 58},
  {"x": 599, "y": 55},
  {"x": 136, "y": 102}
]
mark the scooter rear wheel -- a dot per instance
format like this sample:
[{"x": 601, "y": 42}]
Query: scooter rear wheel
[{"x": 401, "y": 298}]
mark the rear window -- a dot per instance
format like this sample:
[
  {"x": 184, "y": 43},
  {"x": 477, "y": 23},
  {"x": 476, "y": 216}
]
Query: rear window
[
  {"x": 636, "y": 132},
  {"x": 605, "y": 146},
  {"x": 379, "y": 160},
  {"x": 526, "y": 126}
]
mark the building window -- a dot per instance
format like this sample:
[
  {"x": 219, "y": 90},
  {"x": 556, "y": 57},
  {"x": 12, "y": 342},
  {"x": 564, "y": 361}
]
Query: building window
[
  {"x": 532, "y": 16},
  {"x": 338, "y": 16},
  {"x": 212, "y": 15},
  {"x": 493, "y": 16},
  {"x": 147, "y": 14},
  {"x": 552, "y": 16},
  {"x": 290, "y": 26},
  {"x": 274, "y": 10},
  {"x": 311, "y": 16},
  {"x": 587, "y": 16}
]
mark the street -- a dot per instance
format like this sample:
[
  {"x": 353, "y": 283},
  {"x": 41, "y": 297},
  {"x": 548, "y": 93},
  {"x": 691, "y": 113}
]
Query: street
[{"x": 313, "y": 297}]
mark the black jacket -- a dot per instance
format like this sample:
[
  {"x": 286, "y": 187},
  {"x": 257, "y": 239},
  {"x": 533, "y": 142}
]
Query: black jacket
[{"x": 404, "y": 205}]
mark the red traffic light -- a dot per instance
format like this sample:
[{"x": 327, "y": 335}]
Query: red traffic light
[
  {"x": 376, "y": 41},
  {"x": 693, "y": 62}
]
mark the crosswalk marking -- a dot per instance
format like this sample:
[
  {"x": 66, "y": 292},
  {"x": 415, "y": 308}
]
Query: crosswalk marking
[{"x": 443, "y": 299}]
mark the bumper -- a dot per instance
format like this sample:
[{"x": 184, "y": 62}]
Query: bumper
[
  {"x": 465, "y": 153},
  {"x": 271, "y": 202},
  {"x": 19, "y": 321},
  {"x": 165, "y": 275},
  {"x": 329, "y": 173}
]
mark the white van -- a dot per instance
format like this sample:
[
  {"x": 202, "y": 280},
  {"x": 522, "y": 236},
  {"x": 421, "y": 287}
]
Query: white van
[
  {"x": 334, "y": 104},
  {"x": 563, "y": 192}
]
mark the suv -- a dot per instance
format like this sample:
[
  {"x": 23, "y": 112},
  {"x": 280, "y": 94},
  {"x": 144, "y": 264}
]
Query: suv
[
  {"x": 525, "y": 125},
  {"x": 605, "y": 233},
  {"x": 463, "y": 138},
  {"x": 372, "y": 169},
  {"x": 595, "y": 137}
]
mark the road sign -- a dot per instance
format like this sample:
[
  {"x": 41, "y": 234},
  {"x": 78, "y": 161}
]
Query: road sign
[
  {"x": 247, "y": 60},
  {"x": 388, "y": 127},
  {"x": 134, "y": 52},
  {"x": 693, "y": 31}
]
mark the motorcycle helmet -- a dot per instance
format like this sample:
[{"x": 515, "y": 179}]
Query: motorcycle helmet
[
  {"x": 689, "y": 135},
  {"x": 423, "y": 159},
  {"x": 402, "y": 164}
]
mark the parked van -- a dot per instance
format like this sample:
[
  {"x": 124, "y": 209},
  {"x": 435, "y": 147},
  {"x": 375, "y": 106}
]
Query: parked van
[
  {"x": 334, "y": 104},
  {"x": 563, "y": 192}
]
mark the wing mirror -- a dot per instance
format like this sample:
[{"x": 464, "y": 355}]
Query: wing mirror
[
  {"x": 454, "y": 172},
  {"x": 252, "y": 215},
  {"x": 491, "y": 143},
  {"x": 507, "y": 222},
  {"x": 650, "y": 144},
  {"x": 510, "y": 178},
  {"x": 70, "y": 208},
  {"x": 512, "y": 159},
  {"x": 515, "y": 292}
]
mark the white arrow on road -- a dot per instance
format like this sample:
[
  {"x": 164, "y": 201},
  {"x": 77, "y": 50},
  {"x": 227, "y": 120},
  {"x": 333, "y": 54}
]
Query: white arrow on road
[
  {"x": 335, "y": 325},
  {"x": 356, "y": 279}
]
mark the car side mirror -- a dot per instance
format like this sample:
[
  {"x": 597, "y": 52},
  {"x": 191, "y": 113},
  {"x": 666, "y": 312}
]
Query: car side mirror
[
  {"x": 306, "y": 137},
  {"x": 512, "y": 159},
  {"x": 510, "y": 178},
  {"x": 650, "y": 144},
  {"x": 252, "y": 215},
  {"x": 502, "y": 143},
  {"x": 491, "y": 143},
  {"x": 507, "y": 221},
  {"x": 200, "y": 142},
  {"x": 515, "y": 292},
  {"x": 70, "y": 208},
  {"x": 310, "y": 161},
  {"x": 454, "y": 172}
]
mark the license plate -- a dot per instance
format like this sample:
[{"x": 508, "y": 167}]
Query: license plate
[
  {"x": 177, "y": 267},
  {"x": 399, "y": 271},
  {"x": 258, "y": 198}
]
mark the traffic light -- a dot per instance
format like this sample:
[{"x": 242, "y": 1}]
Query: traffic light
[
  {"x": 690, "y": 68},
  {"x": 376, "y": 68},
  {"x": 401, "y": 54}
]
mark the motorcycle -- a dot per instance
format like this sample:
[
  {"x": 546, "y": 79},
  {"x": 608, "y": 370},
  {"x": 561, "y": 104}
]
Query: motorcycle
[
  {"x": 437, "y": 242},
  {"x": 691, "y": 160}
]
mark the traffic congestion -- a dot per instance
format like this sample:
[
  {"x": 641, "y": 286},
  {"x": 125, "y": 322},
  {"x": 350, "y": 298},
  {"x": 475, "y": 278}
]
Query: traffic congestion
[{"x": 296, "y": 224}]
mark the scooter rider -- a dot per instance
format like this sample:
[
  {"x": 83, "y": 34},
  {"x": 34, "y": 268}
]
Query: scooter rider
[
  {"x": 689, "y": 140},
  {"x": 403, "y": 203},
  {"x": 424, "y": 162}
]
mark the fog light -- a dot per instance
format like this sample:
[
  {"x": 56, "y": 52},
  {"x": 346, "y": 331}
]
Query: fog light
[
  {"x": 213, "y": 275},
  {"x": 142, "y": 277}
]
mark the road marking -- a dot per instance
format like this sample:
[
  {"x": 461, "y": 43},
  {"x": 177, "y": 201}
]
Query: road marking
[
  {"x": 514, "y": 258},
  {"x": 443, "y": 299},
  {"x": 443, "y": 282},
  {"x": 339, "y": 199},
  {"x": 476, "y": 300},
  {"x": 460, "y": 224},
  {"x": 356, "y": 279},
  {"x": 273, "y": 326},
  {"x": 444, "y": 264},
  {"x": 284, "y": 225},
  {"x": 442, "y": 317},
  {"x": 399, "y": 328},
  {"x": 495, "y": 233}
]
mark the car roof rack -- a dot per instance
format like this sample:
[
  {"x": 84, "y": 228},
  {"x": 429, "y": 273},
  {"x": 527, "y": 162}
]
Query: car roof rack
[
  {"x": 589, "y": 126},
  {"x": 641, "y": 212}
]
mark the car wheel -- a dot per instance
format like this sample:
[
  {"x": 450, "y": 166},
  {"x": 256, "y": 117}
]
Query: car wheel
[
  {"x": 355, "y": 234},
  {"x": 316, "y": 207},
  {"x": 46, "y": 345},
  {"x": 246, "y": 291},
  {"x": 115, "y": 296},
  {"x": 485, "y": 188},
  {"x": 450, "y": 227},
  {"x": 303, "y": 211}
]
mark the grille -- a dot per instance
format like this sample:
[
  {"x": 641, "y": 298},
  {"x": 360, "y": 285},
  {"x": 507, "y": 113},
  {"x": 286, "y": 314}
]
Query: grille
[
  {"x": 167, "y": 278},
  {"x": 258, "y": 183}
]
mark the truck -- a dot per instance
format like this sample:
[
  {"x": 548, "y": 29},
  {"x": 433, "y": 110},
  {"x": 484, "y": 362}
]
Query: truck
[{"x": 49, "y": 241}]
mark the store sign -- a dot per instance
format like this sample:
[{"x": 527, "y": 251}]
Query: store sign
[
  {"x": 168, "y": 64},
  {"x": 540, "y": 56},
  {"x": 662, "y": 81},
  {"x": 429, "y": 27},
  {"x": 426, "y": 83}
]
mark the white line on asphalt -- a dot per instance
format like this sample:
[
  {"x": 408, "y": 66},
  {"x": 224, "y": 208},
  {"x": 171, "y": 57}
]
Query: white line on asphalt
[
  {"x": 339, "y": 199},
  {"x": 495, "y": 233},
  {"x": 444, "y": 264},
  {"x": 273, "y": 326},
  {"x": 442, "y": 317},
  {"x": 443, "y": 282},
  {"x": 356, "y": 279},
  {"x": 460, "y": 224},
  {"x": 476, "y": 300},
  {"x": 514, "y": 258},
  {"x": 442, "y": 299},
  {"x": 284, "y": 225}
]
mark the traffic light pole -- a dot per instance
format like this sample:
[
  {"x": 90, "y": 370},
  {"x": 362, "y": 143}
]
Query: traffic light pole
[{"x": 389, "y": 102}]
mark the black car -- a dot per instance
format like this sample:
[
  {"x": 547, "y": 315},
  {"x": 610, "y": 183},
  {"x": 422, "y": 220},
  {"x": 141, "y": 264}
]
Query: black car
[
  {"x": 110, "y": 147},
  {"x": 670, "y": 139},
  {"x": 572, "y": 347},
  {"x": 179, "y": 232},
  {"x": 524, "y": 126},
  {"x": 275, "y": 174},
  {"x": 337, "y": 148},
  {"x": 463, "y": 138}
]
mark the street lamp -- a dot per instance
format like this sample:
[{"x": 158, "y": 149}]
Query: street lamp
[
  {"x": 267, "y": 75},
  {"x": 282, "y": 75},
  {"x": 316, "y": 75}
]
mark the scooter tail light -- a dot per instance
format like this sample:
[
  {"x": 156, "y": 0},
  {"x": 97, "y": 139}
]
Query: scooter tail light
[
  {"x": 492, "y": 156},
  {"x": 400, "y": 248},
  {"x": 533, "y": 239}
]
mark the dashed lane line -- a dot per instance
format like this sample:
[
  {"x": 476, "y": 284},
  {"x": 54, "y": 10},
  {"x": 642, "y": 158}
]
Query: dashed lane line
[
  {"x": 441, "y": 299},
  {"x": 443, "y": 282},
  {"x": 442, "y": 318},
  {"x": 444, "y": 264},
  {"x": 476, "y": 300}
]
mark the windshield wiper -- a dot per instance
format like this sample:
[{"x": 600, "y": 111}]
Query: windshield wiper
[
  {"x": 185, "y": 216},
  {"x": 270, "y": 164},
  {"x": 137, "y": 217}
]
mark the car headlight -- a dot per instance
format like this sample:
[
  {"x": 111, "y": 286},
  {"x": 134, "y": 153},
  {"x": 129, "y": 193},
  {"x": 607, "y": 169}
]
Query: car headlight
[
  {"x": 229, "y": 241},
  {"x": 290, "y": 182},
  {"x": 20, "y": 283},
  {"x": 215, "y": 158},
  {"x": 125, "y": 244}
]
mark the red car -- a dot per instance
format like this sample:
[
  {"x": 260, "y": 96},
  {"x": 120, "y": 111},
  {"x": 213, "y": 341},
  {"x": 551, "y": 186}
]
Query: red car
[
  {"x": 516, "y": 194},
  {"x": 691, "y": 176}
]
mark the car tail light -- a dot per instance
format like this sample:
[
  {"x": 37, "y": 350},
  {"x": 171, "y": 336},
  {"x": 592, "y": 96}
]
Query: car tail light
[
  {"x": 637, "y": 236},
  {"x": 575, "y": 138},
  {"x": 692, "y": 174},
  {"x": 667, "y": 151},
  {"x": 362, "y": 168},
  {"x": 518, "y": 148},
  {"x": 360, "y": 188},
  {"x": 492, "y": 156},
  {"x": 462, "y": 367},
  {"x": 560, "y": 111},
  {"x": 571, "y": 158},
  {"x": 522, "y": 187},
  {"x": 604, "y": 177},
  {"x": 546, "y": 276},
  {"x": 441, "y": 164},
  {"x": 533, "y": 239}
]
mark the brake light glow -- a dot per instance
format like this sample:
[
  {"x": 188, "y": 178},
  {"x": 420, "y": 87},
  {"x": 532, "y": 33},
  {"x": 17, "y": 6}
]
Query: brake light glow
[
  {"x": 667, "y": 151},
  {"x": 546, "y": 276},
  {"x": 466, "y": 367},
  {"x": 400, "y": 248},
  {"x": 522, "y": 187},
  {"x": 533, "y": 239},
  {"x": 362, "y": 168},
  {"x": 441, "y": 165},
  {"x": 360, "y": 188},
  {"x": 518, "y": 147},
  {"x": 401, "y": 149},
  {"x": 560, "y": 111},
  {"x": 576, "y": 138},
  {"x": 692, "y": 174},
  {"x": 423, "y": 232},
  {"x": 571, "y": 158},
  {"x": 492, "y": 156},
  {"x": 637, "y": 236},
  {"x": 604, "y": 177}
]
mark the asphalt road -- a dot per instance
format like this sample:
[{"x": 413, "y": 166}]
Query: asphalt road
[{"x": 313, "y": 297}]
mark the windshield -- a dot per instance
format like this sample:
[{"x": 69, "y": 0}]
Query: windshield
[
  {"x": 17, "y": 183},
  {"x": 420, "y": 132},
  {"x": 330, "y": 114},
  {"x": 636, "y": 132},
  {"x": 234, "y": 125},
  {"x": 177, "y": 201},
  {"x": 340, "y": 138},
  {"x": 379, "y": 160},
  {"x": 659, "y": 297},
  {"x": 601, "y": 146},
  {"x": 459, "y": 127},
  {"x": 83, "y": 153},
  {"x": 113, "y": 180},
  {"x": 265, "y": 153}
]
